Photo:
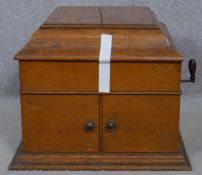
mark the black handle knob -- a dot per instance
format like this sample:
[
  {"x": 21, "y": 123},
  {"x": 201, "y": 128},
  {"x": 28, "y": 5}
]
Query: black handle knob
[
  {"x": 89, "y": 126},
  {"x": 192, "y": 70},
  {"x": 111, "y": 124}
]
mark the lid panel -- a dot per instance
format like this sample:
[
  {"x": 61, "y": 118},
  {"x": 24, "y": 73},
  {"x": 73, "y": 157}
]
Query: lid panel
[
  {"x": 136, "y": 16},
  {"x": 76, "y": 44},
  {"x": 73, "y": 34},
  {"x": 101, "y": 16},
  {"x": 67, "y": 16}
]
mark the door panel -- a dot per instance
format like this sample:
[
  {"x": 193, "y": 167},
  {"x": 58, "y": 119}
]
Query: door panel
[
  {"x": 144, "y": 123},
  {"x": 57, "y": 123}
]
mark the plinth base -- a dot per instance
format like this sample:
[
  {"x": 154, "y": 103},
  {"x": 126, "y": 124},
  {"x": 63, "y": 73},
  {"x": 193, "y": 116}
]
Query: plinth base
[{"x": 101, "y": 161}]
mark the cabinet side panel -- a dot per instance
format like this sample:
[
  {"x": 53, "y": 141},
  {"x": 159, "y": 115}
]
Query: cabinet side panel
[
  {"x": 145, "y": 76},
  {"x": 41, "y": 76}
]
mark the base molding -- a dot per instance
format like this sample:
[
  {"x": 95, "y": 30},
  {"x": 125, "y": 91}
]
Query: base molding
[{"x": 101, "y": 161}]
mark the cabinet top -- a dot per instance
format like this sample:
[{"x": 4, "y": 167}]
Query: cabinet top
[
  {"x": 74, "y": 34},
  {"x": 101, "y": 16}
]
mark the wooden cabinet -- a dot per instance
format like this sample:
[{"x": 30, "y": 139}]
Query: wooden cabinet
[{"x": 68, "y": 123}]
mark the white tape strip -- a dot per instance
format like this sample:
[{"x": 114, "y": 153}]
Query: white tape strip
[{"x": 104, "y": 62}]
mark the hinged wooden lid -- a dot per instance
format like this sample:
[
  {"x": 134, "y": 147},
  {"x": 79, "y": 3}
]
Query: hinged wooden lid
[
  {"x": 73, "y": 34},
  {"x": 101, "y": 16}
]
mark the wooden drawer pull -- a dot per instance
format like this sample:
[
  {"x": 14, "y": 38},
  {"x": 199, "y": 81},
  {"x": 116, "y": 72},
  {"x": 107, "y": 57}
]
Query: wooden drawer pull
[{"x": 111, "y": 125}]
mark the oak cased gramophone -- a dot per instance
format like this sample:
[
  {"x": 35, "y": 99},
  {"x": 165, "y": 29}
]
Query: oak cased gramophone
[{"x": 100, "y": 90}]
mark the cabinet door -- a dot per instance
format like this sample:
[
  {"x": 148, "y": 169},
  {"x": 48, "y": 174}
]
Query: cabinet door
[
  {"x": 141, "y": 123},
  {"x": 58, "y": 123}
]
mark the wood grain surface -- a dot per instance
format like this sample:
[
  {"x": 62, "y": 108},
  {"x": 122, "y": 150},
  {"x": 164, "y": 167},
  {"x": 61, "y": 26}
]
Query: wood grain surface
[
  {"x": 96, "y": 161},
  {"x": 74, "y": 16},
  {"x": 136, "y": 16},
  {"x": 145, "y": 123},
  {"x": 100, "y": 16},
  {"x": 145, "y": 77},
  {"x": 57, "y": 123},
  {"x": 59, "y": 77},
  {"x": 83, "y": 44}
]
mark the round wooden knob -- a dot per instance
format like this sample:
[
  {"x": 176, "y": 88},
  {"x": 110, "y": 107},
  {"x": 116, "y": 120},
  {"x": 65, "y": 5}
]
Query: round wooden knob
[
  {"x": 111, "y": 124},
  {"x": 89, "y": 126}
]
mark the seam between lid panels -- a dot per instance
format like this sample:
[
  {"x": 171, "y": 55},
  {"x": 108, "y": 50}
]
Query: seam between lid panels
[{"x": 101, "y": 17}]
